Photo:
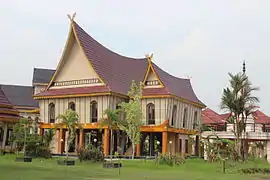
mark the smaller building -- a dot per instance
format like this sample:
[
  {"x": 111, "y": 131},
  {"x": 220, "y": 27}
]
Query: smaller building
[
  {"x": 257, "y": 128},
  {"x": 15, "y": 102},
  {"x": 256, "y": 121},
  {"x": 8, "y": 117}
]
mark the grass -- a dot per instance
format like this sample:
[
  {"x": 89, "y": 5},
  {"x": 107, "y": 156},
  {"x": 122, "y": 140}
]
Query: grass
[{"x": 133, "y": 170}]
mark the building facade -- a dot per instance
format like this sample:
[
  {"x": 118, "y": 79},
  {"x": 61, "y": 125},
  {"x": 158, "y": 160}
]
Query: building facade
[
  {"x": 91, "y": 78},
  {"x": 15, "y": 102},
  {"x": 257, "y": 129}
]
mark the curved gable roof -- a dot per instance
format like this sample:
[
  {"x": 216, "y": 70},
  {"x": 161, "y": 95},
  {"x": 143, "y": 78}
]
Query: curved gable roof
[{"x": 118, "y": 71}]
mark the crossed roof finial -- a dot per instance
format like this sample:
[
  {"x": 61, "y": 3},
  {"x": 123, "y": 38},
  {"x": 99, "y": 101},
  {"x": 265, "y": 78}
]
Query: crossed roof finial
[
  {"x": 71, "y": 17},
  {"x": 149, "y": 57}
]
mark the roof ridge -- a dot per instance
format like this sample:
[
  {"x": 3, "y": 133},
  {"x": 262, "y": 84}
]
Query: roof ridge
[
  {"x": 16, "y": 85},
  {"x": 44, "y": 69},
  {"x": 130, "y": 58},
  {"x": 171, "y": 74}
]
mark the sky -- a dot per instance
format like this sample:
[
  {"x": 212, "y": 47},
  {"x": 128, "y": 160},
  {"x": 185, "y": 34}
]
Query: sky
[{"x": 200, "y": 39}]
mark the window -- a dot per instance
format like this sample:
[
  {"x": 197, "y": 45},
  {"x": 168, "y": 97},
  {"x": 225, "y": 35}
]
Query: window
[
  {"x": 52, "y": 113},
  {"x": 150, "y": 110},
  {"x": 185, "y": 118},
  {"x": 94, "y": 111},
  {"x": 195, "y": 122},
  {"x": 174, "y": 115},
  {"x": 72, "y": 106}
]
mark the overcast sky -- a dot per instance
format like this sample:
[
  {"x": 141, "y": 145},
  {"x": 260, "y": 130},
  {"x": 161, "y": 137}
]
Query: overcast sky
[{"x": 203, "y": 39}]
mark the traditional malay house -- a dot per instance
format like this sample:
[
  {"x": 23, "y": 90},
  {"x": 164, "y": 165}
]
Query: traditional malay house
[{"x": 90, "y": 78}]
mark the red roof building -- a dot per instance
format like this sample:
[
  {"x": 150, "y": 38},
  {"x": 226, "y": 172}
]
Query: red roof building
[
  {"x": 7, "y": 112},
  {"x": 91, "y": 78},
  {"x": 211, "y": 118}
]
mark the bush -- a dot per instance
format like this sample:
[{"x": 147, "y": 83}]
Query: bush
[
  {"x": 170, "y": 159},
  {"x": 2, "y": 151},
  {"x": 255, "y": 170},
  {"x": 33, "y": 143},
  {"x": 90, "y": 153},
  {"x": 44, "y": 152}
]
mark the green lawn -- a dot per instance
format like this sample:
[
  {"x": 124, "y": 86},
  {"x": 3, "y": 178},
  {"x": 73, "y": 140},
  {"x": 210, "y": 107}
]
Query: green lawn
[{"x": 132, "y": 170}]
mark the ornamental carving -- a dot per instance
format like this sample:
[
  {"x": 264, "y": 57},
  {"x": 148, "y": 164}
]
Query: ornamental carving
[
  {"x": 152, "y": 83},
  {"x": 77, "y": 82}
]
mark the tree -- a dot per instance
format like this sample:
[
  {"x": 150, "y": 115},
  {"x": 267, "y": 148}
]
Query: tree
[
  {"x": 131, "y": 123},
  {"x": 48, "y": 137},
  {"x": 238, "y": 100},
  {"x": 26, "y": 140},
  {"x": 111, "y": 120},
  {"x": 21, "y": 131},
  {"x": 70, "y": 119}
]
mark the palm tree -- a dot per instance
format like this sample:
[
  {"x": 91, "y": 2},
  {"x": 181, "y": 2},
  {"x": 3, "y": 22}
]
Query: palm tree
[
  {"x": 238, "y": 100},
  {"x": 70, "y": 119},
  {"x": 111, "y": 119},
  {"x": 48, "y": 137}
]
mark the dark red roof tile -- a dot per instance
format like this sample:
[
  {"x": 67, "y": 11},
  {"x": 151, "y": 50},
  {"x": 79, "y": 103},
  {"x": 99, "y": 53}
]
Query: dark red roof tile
[
  {"x": 71, "y": 91},
  {"x": 260, "y": 117},
  {"x": 118, "y": 71},
  {"x": 225, "y": 116},
  {"x": 155, "y": 91},
  {"x": 6, "y": 107},
  {"x": 211, "y": 117},
  {"x": 3, "y": 99}
]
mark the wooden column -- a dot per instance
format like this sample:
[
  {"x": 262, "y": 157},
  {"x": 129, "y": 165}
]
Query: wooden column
[
  {"x": 138, "y": 149},
  {"x": 197, "y": 146},
  {"x": 106, "y": 139},
  {"x": 40, "y": 131},
  {"x": 81, "y": 138},
  {"x": 60, "y": 143},
  {"x": 5, "y": 136},
  {"x": 164, "y": 142}
]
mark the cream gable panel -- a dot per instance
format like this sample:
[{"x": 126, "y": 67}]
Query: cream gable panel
[
  {"x": 75, "y": 66},
  {"x": 152, "y": 79}
]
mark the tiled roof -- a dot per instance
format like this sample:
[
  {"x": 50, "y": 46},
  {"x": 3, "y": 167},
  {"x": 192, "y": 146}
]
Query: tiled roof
[
  {"x": 3, "y": 99},
  {"x": 72, "y": 91},
  {"x": 260, "y": 117},
  {"x": 6, "y": 108},
  {"x": 42, "y": 75},
  {"x": 225, "y": 116},
  {"x": 118, "y": 71},
  {"x": 20, "y": 95},
  {"x": 155, "y": 91},
  {"x": 211, "y": 117}
]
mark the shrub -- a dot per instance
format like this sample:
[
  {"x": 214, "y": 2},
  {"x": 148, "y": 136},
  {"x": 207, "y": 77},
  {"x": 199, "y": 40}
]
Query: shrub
[
  {"x": 43, "y": 152},
  {"x": 90, "y": 153},
  {"x": 2, "y": 151},
  {"x": 255, "y": 170},
  {"x": 33, "y": 143},
  {"x": 170, "y": 159}
]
